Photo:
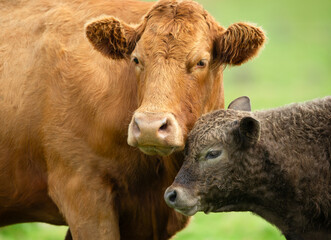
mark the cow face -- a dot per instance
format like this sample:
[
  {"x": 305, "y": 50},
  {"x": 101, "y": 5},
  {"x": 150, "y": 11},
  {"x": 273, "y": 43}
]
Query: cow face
[
  {"x": 178, "y": 52},
  {"x": 213, "y": 176}
]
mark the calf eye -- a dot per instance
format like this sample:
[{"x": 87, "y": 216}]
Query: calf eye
[
  {"x": 135, "y": 60},
  {"x": 202, "y": 63},
  {"x": 213, "y": 154}
]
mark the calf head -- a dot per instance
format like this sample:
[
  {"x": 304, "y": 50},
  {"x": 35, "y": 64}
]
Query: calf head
[
  {"x": 213, "y": 176},
  {"x": 178, "y": 52}
]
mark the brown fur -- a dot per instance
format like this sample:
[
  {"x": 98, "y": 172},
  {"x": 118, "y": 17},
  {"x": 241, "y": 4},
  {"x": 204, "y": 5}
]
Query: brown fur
[
  {"x": 65, "y": 110},
  {"x": 239, "y": 43},
  {"x": 112, "y": 38},
  {"x": 275, "y": 163}
]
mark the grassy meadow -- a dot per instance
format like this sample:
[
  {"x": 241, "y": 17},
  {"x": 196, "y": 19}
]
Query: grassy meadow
[{"x": 294, "y": 66}]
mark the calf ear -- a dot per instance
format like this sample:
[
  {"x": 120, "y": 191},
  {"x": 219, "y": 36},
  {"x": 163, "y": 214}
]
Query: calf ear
[
  {"x": 241, "y": 103},
  {"x": 249, "y": 129},
  {"x": 112, "y": 37},
  {"x": 239, "y": 43}
]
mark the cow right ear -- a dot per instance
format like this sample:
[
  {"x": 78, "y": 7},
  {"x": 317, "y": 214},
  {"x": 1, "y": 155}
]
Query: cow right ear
[
  {"x": 112, "y": 37},
  {"x": 239, "y": 43}
]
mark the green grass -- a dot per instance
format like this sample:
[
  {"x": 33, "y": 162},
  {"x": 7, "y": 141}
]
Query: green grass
[
  {"x": 225, "y": 226},
  {"x": 220, "y": 226},
  {"x": 32, "y": 231},
  {"x": 294, "y": 66}
]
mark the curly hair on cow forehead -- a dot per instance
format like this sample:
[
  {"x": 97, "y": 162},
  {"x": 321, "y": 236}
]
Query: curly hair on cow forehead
[
  {"x": 177, "y": 8},
  {"x": 177, "y": 12}
]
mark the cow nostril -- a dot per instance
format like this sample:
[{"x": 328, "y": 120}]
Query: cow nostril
[
  {"x": 136, "y": 128},
  {"x": 164, "y": 127}
]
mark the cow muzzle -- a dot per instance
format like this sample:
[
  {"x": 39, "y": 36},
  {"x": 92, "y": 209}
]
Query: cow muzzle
[{"x": 155, "y": 133}]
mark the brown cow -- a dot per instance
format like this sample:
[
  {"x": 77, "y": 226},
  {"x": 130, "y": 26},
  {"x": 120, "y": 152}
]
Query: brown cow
[{"x": 65, "y": 108}]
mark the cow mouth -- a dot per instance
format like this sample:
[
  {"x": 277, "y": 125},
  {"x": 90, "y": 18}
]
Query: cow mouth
[{"x": 158, "y": 150}]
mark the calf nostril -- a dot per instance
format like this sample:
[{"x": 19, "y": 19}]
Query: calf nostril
[{"x": 173, "y": 196}]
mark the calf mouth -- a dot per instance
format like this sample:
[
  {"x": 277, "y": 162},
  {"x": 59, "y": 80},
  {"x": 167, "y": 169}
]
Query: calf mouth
[{"x": 190, "y": 211}]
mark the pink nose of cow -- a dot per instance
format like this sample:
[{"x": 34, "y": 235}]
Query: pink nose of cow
[{"x": 155, "y": 133}]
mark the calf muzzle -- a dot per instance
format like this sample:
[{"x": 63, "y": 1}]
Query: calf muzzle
[{"x": 181, "y": 200}]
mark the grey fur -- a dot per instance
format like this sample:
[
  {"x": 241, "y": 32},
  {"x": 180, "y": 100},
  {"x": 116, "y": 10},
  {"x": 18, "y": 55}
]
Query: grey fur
[{"x": 283, "y": 173}]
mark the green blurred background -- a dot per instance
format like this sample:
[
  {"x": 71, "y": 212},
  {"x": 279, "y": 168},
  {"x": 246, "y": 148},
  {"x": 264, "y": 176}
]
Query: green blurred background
[{"x": 293, "y": 67}]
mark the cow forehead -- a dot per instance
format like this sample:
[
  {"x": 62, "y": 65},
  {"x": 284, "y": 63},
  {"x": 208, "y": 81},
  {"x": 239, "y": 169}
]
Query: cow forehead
[
  {"x": 180, "y": 11},
  {"x": 176, "y": 29}
]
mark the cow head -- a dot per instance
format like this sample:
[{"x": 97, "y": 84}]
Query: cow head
[
  {"x": 178, "y": 51},
  {"x": 217, "y": 171}
]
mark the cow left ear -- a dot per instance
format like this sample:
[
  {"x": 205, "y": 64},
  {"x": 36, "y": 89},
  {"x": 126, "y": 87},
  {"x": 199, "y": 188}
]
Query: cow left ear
[
  {"x": 249, "y": 129},
  {"x": 112, "y": 37},
  {"x": 239, "y": 43}
]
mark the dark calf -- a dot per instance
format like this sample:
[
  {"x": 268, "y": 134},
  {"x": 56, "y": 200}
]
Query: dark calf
[{"x": 275, "y": 163}]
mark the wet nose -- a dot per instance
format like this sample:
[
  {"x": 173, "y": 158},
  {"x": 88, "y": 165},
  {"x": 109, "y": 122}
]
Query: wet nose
[
  {"x": 158, "y": 130},
  {"x": 151, "y": 128},
  {"x": 182, "y": 199}
]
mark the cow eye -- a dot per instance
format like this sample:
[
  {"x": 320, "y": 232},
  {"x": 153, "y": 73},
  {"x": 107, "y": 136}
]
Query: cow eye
[
  {"x": 202, "y": 63},
  {"x": 135, "y": 60},
  {"x": 213, "y": 154}
]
